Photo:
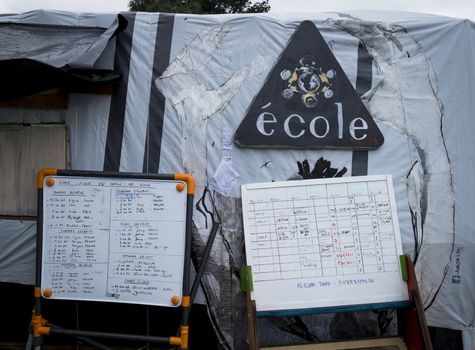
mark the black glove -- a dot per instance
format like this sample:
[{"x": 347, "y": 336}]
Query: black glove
[{"x": 322, "y": 169}]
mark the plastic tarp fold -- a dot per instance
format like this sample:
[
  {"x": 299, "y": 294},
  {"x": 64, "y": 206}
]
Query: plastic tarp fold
[{"x": 36, "y": 57}]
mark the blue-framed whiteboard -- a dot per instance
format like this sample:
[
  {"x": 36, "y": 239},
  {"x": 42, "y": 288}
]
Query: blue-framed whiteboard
[{"x": 323, "y": 243}]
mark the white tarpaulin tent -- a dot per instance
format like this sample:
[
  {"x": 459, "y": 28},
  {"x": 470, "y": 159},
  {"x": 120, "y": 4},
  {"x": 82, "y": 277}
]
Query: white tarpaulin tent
[{"x": 187, "y": 82}]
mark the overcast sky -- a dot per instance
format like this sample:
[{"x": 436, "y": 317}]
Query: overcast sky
[{"x": 453, "y": 8}]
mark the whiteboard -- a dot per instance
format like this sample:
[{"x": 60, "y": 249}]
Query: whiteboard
[
  {"x": 323, "y": 243},
  {"x": 118, "y": 240}
]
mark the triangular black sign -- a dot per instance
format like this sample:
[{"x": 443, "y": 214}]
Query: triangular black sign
[{"x": 307, "y": 101}]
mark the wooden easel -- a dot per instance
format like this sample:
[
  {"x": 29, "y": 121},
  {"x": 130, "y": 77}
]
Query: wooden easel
[{"x": 413, "y": 333}]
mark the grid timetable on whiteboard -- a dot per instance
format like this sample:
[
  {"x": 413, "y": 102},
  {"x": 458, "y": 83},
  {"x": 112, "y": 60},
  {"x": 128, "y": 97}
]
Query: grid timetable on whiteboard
[{"x": 317, "y": 238}]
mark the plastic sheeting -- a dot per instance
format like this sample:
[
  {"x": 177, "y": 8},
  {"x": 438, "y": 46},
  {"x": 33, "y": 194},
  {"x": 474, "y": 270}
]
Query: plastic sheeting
[
  {"x": 38, "y": 56},
  {"x": 187, "y": 83},
  {"x": 17, "y": 257}
]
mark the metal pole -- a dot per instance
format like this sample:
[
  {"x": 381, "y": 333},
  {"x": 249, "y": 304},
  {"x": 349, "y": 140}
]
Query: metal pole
[
  {"x": 204, "y": 260},
  {"x": 132, "y": 337}
]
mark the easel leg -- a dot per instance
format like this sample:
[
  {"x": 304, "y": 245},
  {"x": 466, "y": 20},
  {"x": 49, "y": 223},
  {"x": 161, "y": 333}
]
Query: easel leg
[
  {"x": 412, "y": 319},
  {"x": 251, "y": 320}
]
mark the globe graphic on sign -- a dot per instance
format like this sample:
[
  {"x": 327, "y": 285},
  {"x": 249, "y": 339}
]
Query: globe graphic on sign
[{"x": 309, "y": 82}]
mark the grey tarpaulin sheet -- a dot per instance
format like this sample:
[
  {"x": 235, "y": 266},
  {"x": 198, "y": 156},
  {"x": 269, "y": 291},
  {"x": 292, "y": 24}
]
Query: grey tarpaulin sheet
[
  {"x": 39, "y": 56},
  {"x": 184, "y": 94}
]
